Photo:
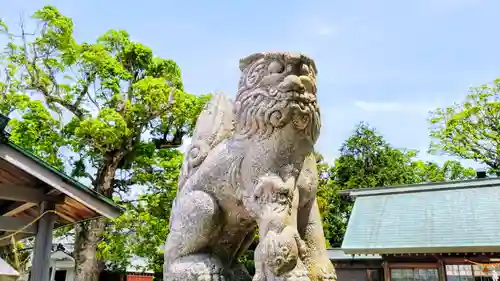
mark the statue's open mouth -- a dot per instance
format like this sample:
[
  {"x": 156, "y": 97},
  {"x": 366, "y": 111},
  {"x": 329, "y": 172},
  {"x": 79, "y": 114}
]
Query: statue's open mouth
[
  {"x": 299, "y": 88},
  {"x": 304, "y": 97}
]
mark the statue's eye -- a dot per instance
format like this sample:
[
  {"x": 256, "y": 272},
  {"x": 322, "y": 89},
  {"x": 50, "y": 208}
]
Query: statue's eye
[
  {"x": 304, "y": 70},
  {"x": 275, "y": 67}
]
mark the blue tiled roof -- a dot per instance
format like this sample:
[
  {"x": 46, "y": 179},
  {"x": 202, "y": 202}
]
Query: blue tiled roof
[{"x": 441, "y": 218}]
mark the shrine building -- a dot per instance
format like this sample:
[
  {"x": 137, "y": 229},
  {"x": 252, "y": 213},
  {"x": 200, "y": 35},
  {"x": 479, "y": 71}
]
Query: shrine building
[
  {"x": 446, "y": 231},
  {"x": 36, "y": 199}
]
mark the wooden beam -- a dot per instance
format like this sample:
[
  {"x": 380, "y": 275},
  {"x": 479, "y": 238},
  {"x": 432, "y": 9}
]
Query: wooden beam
[
  {"x": 14, "y": 224},
  {"x": 7, "y": 241},
  {"x": 19, "y": 207},
  {"x": 24, "y": 194},
  {"x": 83, "y": 195},
  {"x": 413, "y": 265},
  {"x": 16, "y": 208},
  {"x": 66, "y": 217}
]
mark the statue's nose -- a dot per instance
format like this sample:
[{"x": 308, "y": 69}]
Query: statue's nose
[{"x": 292, "y": 83}]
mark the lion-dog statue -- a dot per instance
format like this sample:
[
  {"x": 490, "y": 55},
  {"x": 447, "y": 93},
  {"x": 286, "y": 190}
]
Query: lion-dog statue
[{"x": 250, "y": 167}]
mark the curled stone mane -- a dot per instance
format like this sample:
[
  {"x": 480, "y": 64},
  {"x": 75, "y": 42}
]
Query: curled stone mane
[{"x": 265, "y": 102}]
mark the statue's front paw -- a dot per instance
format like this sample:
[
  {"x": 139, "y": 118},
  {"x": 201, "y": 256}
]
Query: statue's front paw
[
  {"x": 198, "y": 267},
  {"x": 200, "y": 275},
  {"x": 210, "y": 272},
  {"x": 327, "y": 274},
  {"x": 296, "y": 275},
  {"x": 259, "y": 277},
  {"x": 281, "y": 253},
  {"x": 210, "y": 276}
]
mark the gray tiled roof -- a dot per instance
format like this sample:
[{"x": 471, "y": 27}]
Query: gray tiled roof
[
  {"x": 336, "y": 254},
  {"x": 451, "y": 217}
]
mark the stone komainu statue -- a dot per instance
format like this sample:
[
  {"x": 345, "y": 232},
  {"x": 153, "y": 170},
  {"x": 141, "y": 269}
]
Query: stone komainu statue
[{"x": 251, "y": 165}]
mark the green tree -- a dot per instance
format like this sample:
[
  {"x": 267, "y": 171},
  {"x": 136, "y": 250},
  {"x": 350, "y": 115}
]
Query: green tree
[
  {"x": 470, "y": 129},
  {"x": 31, "y": 125},
  {"x": 16, "y": 256},
  {"x": 328, "y": 198},
  {"x": 432, "y": 172},
  {"x": 368, "y": 160},
  {"x": 142, "y": 229},
  {"x": 110, "y": 101}
]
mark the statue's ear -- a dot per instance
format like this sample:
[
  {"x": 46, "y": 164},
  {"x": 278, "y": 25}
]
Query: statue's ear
[
  {"x": 313, "y": 64},
  {"x": 245, "y": 62}
]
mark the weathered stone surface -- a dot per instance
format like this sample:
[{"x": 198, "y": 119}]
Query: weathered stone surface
[{"x": 251, "y": 166}]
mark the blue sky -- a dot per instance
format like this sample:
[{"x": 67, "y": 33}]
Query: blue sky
[{"x": 385, "y": 62}]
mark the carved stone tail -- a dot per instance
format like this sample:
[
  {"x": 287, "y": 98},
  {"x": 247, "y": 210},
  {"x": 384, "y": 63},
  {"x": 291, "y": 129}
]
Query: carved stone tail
[{"x": 215, "y": 124}]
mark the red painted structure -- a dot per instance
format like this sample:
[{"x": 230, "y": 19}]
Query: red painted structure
[{"x": 139, "y": 277}]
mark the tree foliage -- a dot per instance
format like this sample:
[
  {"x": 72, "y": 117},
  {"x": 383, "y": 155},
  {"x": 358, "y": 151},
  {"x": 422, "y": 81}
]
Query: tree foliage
[
  {"x": 143, "y": 229},
  {"x": 16, "y": 256},
  {"x": 368, "y": 160},
  {"x": 111, "y": 103},
  {"x": 470, "y": 129},
  {"x": 31, "y": 125}
]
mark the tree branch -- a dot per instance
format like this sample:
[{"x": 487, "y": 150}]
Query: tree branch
[
  {"x": 35, "y": 83},
  {"x": 89, "y": 78}
]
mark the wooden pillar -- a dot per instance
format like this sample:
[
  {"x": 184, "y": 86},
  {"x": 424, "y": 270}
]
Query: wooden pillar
[
  {"x": 387, "y": 271},
  {"x": 43, "y": 244},
  {"x": 441, "y": 270}
]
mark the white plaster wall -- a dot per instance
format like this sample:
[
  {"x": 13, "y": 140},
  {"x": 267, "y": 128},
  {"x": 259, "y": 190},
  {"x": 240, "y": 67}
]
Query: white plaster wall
[
  {"x": 70, "y": 274},
  {"x": 61, "y": 264}
]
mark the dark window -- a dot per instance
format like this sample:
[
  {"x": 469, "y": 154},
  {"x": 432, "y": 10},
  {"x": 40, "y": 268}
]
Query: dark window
[
  {"x": 60, "y": 275},
  {"x": 374, "y": 274},
  {"x": 352, "y": 275},
  {"x": 414, "y": 274}
]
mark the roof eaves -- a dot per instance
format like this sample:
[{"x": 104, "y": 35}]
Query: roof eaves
[
  {"x": 4, "y": 138},
  {"x": 422, "y": 187},
  {"x": 423, "y": 250},
  {"x": 339, "y": 254},
  {"x": 64, "y": 176}
]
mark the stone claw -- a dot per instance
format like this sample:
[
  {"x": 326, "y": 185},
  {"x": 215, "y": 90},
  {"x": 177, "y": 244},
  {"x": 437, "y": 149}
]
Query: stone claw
[
  {"x": 210, "y": 276},
  {"x": 327, "y": 275},
  {"x": 296, "y": 275},
  {"x": 259, "y": 277},
  {"x": 212, "y": 273},
  {"x": 281, "y": 253},
  {"x": 195, "y": 268}
]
